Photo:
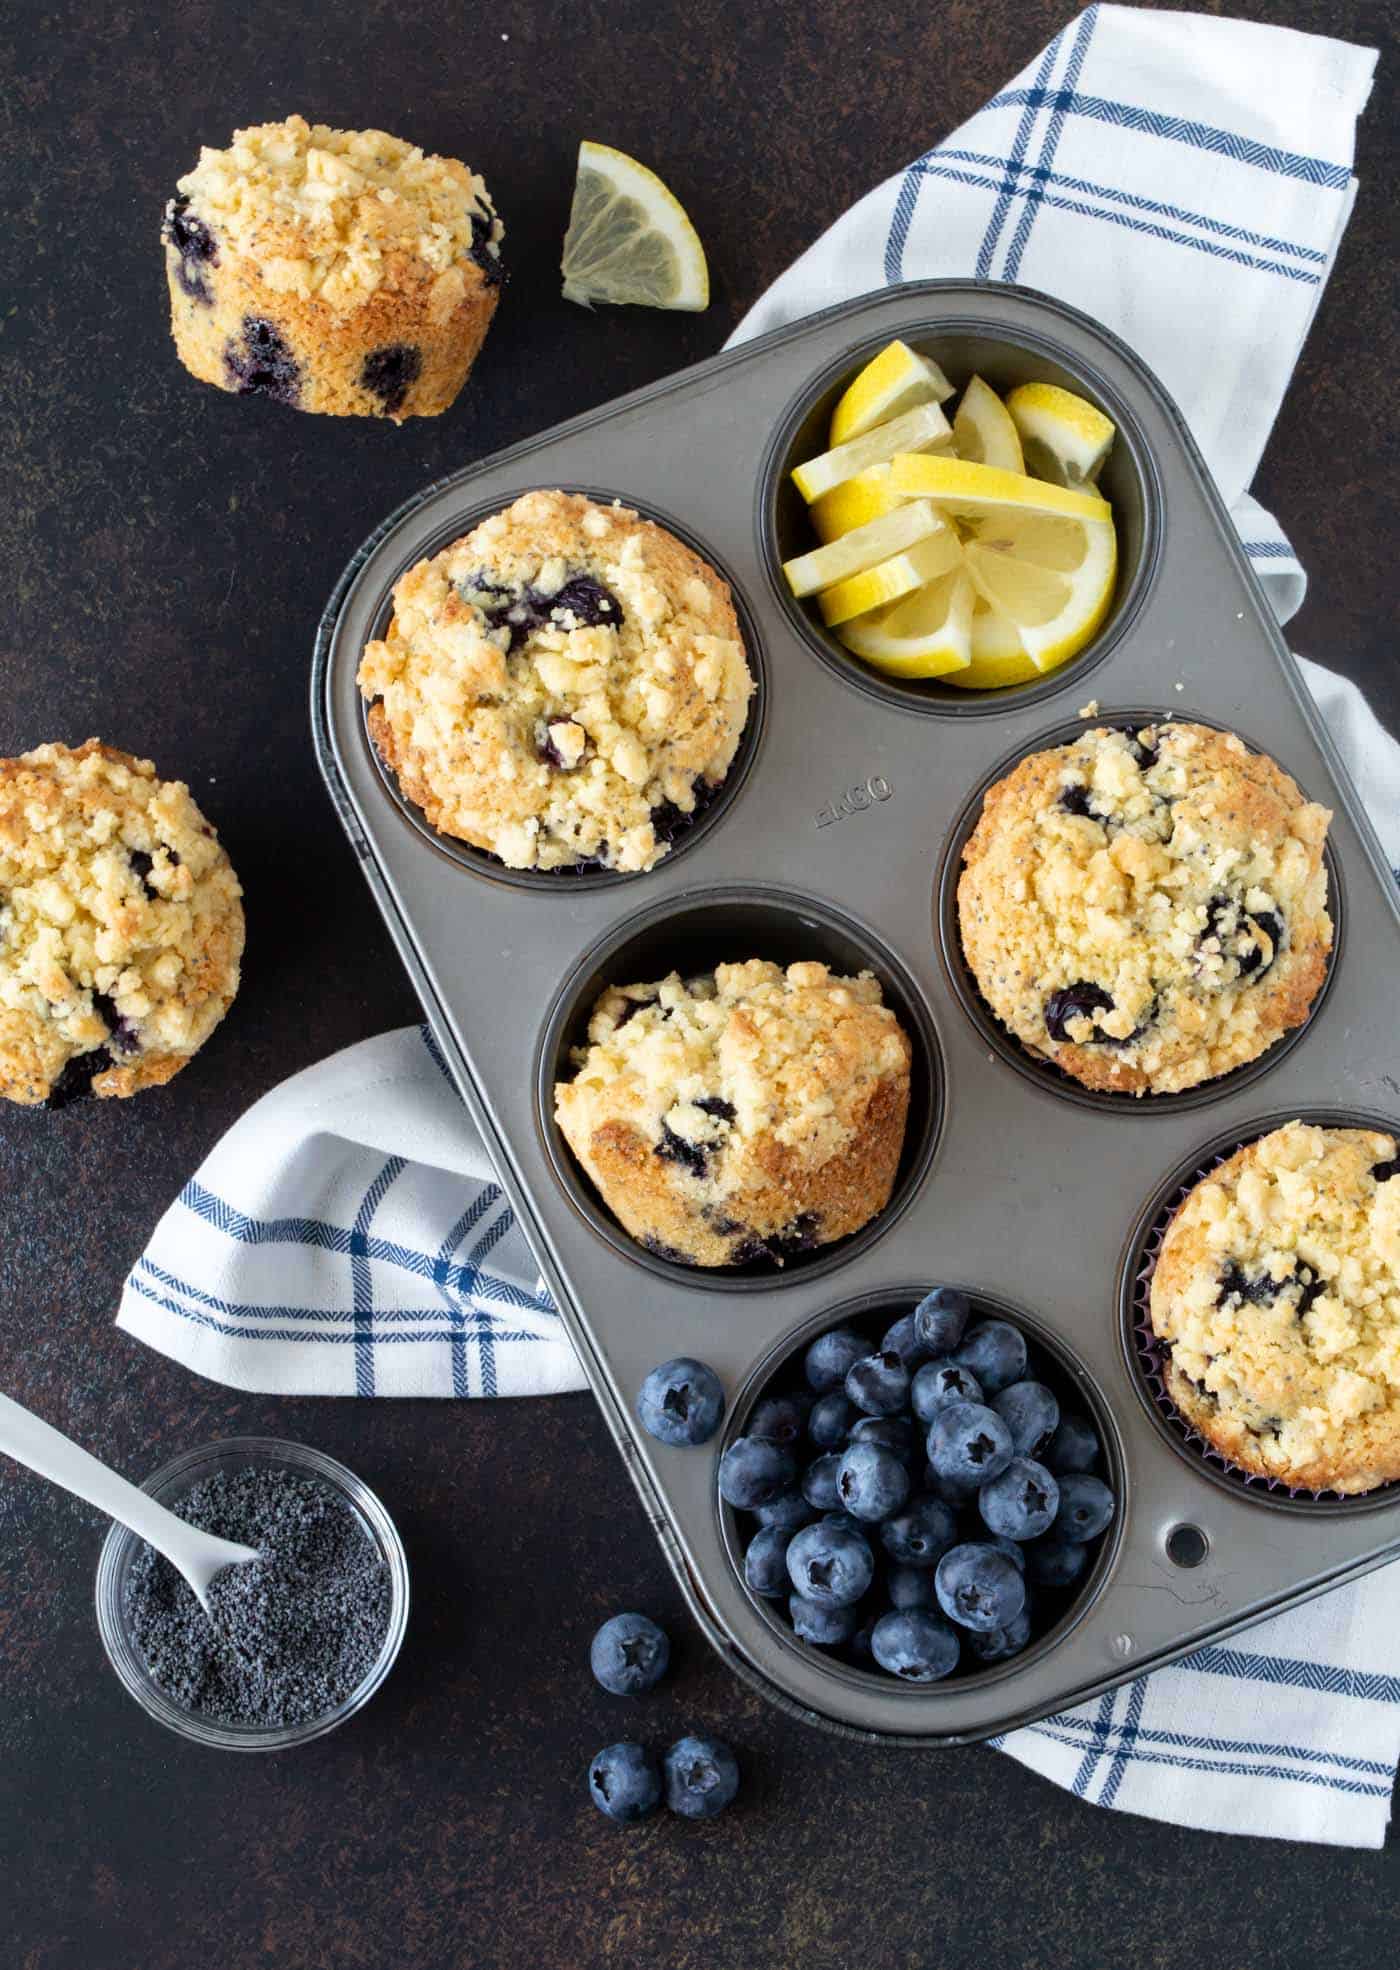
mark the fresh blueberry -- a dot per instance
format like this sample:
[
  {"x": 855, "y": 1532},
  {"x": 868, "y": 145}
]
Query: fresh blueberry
[
  {"x": 896, "y": 1433},
  {"x": 1012, "y": 1548},
  {"x": 998, "y": 1644},
  {"x": 922, "y": 1533},
  {"x": 968, "y": 1443},
  {"x": 940, "y": 1318},
  {"x": 909, "y": 1587},
  {"x": 995, "y": 1352},
  {"x": 861, "y": 1650},
  {"x": 624, "y": 1781},
  {"x": 779, "y": 1419},
  {"x": 917, "y": 1647},
  {"x": 765, "y": 1562},
  {"x": 960, "y": 1494},
  {"x": 830, "y": 1419},
  {"x": 903, "y": 1339},
  {"x": 937, "y": 1384},
  {"x": 1056, "y": 1561},
  {"x": 629, "y": 1654},
  {"x": 753, "y": 1472},
  {"x": 819, "y": 1481},
  {"x": 845, "y": 1520},
  {"x": 1073, "y": 1447},
  {"x": 1086, "y": 1506},
  {"x": 1021, "y": 1503},
  {"x": 878, "y": 1384},
  {"x": 831, "y": 1357},
  {"x": 681, "y": 1402},
  {"x": 789, "y": 1509},
  {"x": 872, "y": 1481},
  {"x": 824, "y": 1627},
  {"x": 1030, "y": 1412},
  {"x": 830, "y": 1564},
  {"x": 390, "y": 373},
  {"x": 978, "y": 1587},
  {"x": 702, "y": 1776}
]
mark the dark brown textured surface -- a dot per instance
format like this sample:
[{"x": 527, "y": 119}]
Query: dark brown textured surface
[{"x": 166, "y": 552}]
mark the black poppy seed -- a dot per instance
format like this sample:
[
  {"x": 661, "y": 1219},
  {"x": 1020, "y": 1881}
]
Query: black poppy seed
[{"x": 290, "y": 1635}]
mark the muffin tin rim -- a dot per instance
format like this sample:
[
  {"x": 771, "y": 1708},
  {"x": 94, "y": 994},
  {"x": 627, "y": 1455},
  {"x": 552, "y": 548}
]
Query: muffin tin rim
[
  {"x": 573, "y": 1180},
  {"x": 1171, "y": 1426},
  {"x": 865, "y": 678},
  {"x": 1044, "y": 1074},
  {"x": 985, "y": 1304}
]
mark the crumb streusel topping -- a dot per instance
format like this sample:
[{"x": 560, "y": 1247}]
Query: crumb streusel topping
[
  {"x": 1147, "y": 909},
  {"x": 121, "y": 927},
  {"x": 753, "y": 1111},
  {"x": 1277, "y": 1298},
  {"x": 563, "y": 687}
]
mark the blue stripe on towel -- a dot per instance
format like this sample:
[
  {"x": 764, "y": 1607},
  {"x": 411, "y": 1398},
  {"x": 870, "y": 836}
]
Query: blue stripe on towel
[
  {"x": 1036, "y": 194},
  {"x": 1018, "y": 150}
]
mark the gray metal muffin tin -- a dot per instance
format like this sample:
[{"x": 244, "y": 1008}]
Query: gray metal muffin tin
[{"x": 837, "y": 836}]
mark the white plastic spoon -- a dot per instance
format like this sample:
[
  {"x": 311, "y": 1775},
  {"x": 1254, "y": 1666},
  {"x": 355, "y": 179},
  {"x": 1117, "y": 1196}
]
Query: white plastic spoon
[{"x": 197, "y": 1555}]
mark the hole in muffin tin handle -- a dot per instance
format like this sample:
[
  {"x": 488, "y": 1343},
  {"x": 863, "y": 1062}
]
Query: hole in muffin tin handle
[{"x": 1186, "y": 1545}]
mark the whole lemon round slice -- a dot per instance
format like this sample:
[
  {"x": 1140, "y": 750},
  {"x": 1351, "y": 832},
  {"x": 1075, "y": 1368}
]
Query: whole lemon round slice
[
  {"x": 629, "y": 239},
  {"x": 1065, "y": 438},
  {"x": 896, "y": 380},
  {"x": 983, "y": 432},
  {"x": 927, "y": 634}
]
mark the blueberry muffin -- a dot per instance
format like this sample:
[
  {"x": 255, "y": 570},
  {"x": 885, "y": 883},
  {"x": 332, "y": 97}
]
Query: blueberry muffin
[
  {"x": 564, "y": 687},
  {"x": 748, "y": 1114},
  {"x": 121, "y": 927},
  {"x": 1276, "y": 1298},
  {"x": 339, "y": 271},
  {"x": 1147, "y": 909}
]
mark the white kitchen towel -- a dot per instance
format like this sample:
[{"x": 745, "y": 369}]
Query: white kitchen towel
[{"x": 347, "y": 1237}]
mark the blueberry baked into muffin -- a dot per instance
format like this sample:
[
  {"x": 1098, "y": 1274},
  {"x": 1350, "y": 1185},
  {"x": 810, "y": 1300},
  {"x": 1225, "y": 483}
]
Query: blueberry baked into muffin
[
  {"x": 340, "y": 271},
  {"x": 1276, "y": 1298},
  {"x": 744, "y": 1115},
  {"x": 121, "y": 926},
  {"x": 1147, "y": 909},
  {"x": 564, "y": 687}
]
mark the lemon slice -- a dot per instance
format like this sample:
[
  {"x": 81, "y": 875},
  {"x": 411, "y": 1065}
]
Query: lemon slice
[
  {"x": 886, "y": 583},
  {"x": 983, "y": 432},
  {"x": 896, "y": 380},
  {"x": 863, "y": 547},
  {"x": 912, "y": 433},
  {"x": 854, "y": 503},
  {"x": 1065, "y": 439},
  {"x": 928, "y": 634},
  {"x": 1049, "y": 577},
  {"x": 629, "y": 239},
  {"x": 998, "y": 654},
  {"x": 973, "y": 490}
]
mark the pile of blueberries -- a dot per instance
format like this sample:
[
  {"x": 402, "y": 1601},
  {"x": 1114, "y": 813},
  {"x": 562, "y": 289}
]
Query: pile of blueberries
[
  {"x": 923, "y": 1502},
  {"x": 696, "y": 1776}
]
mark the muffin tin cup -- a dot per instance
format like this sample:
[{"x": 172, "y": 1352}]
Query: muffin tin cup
[
  {"x": 1147, "y": 1358},
  {"x": 1043, "y": 1072},
  {"x": 832, "y": 843}
]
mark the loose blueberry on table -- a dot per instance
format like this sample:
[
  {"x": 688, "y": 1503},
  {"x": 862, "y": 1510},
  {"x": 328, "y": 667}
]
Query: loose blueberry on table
[
  {"x": 921, "y": 1493},
  {"x": 629, "y": 1654},
  {"x": 624, "y": 1781}
]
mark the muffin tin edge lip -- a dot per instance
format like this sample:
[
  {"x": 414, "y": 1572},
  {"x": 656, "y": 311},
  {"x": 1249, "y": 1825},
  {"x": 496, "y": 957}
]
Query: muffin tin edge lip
[
  {"x": 572, "y": 1181},
  {"x": 120, "y": 1543},
  {"x": 891, "y": 1299},
  {"x": 1235, "y": 1484},
  {"x": 480, "y": 862},
  {"x": 1043, "y": 1074},
  {"x": 861, "y": 677}
]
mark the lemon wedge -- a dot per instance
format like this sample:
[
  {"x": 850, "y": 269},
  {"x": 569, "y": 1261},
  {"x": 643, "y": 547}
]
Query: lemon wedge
[
  {"x": 854, "y": 503},
  {"x": 896, "y": 380},
  {"x": 912, "y": 433},
  {"x": 983, "y": 432},
  {"x": 629, "y": 239},
  {"x": 863, "y": 547},
  {"x": 1065, "y": 439},
  {"x": 998, "y": 654},
  {"x": 927, "y": 634},
  {"x": 858, "y": 594},
  {"x": 974, "y": 490},
  {"x": 1050, "y": 577}
]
